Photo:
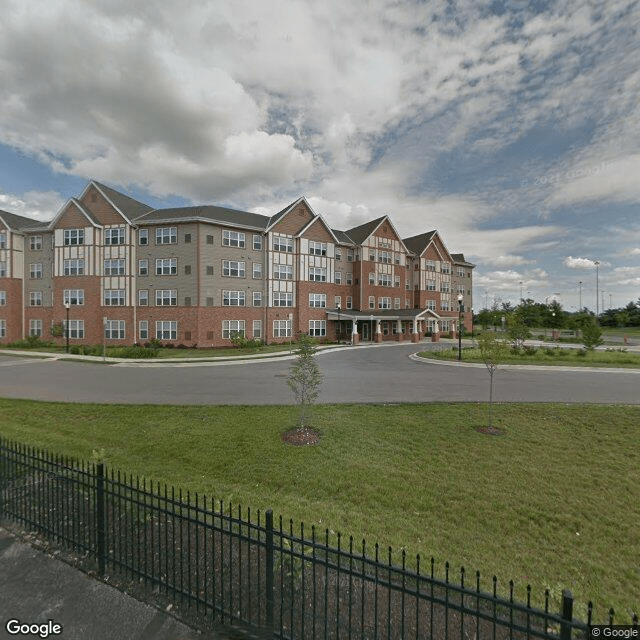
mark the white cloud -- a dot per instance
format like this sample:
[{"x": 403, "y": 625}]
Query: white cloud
[
  {"x": 41, "y": 205},
  {"x": 583, "y": 263}
]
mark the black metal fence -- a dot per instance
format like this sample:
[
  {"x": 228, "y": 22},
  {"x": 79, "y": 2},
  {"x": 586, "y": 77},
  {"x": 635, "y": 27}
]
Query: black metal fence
[{"x": 222, "y": 567}]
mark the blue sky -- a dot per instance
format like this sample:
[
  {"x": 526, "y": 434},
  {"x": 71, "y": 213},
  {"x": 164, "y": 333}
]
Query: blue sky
[{"x": 511, "y": 127}]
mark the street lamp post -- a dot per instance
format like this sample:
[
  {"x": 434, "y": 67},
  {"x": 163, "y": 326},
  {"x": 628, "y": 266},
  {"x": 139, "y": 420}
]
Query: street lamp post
[
  {"x": 339, "y": 327},
  {"x": 66, "y": 306},
  {"x": 460, "y": 310},
  {"x": 597, "y": 290},
  {"x": 580, "y": 305}
]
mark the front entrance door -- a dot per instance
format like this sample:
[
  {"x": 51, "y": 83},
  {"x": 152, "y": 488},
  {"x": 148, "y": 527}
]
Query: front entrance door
[{"x": 366, "y": 331}]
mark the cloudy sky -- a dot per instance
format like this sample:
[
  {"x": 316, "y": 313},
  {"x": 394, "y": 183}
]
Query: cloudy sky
[{"x": 512, "y": 127}]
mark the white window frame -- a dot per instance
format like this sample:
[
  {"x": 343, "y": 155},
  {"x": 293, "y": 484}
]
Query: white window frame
[
  {"x": 114, "y": 330},
  {"x": 114, "y": 298},
  {"x": 166, "y": 235},
  {"x": 3, "y": 240},
  {"x": 230, "y": 327},
  {"x": 35, "y": 271},
  {"x": 143, "y": 297},
  {"x": 35, "y": 299},
  {"x": 283, "y": 244},
  {"x": 3, "y": 328},
  {"x": 143, "y": 330},
  {"x": 35, "y": 243},
  {"x": 384, "y": 303},
  {"x": 76, "y": 329},
  {"x": 317, "y": 274},
  {"x": 318, "y": 300},
  {"x": 166, "y": 297},
  {"x": 233, "y": 239},
  {"x": 233, "y": 268},
  {"x": 72, "y": 237},
  {"x": 114, "y": 267},
  {"x": 166, "y": 266},
  {"x": 257, "y": 298},
  {"x": 282, "y": 328},
  {"x": 233, "y": 298},
  {"x": 3, "y": 268},
  {"x": 143, "y": 267},
  {"x": 317, "y": 328},
  {"x": 73, "y": 267},
  {"x": 282, "y": 299},
  {"x": 3, "y": 298},
  {"x": 256, "y": 270},
  {"x": 143, "y": 240},
  {"x": 166, "y": 330},
  {"x": 35, "y": 327},
  {"x": 114, "y": 236},
  {"x": 317, "y": 248},
  {"x": 282, "y": 271},
  {"x": 257, "y": 330},
  {"x": 372, "y": 302},
  {"x": 73, "y": 297},
  {"x": 257, "y": 242}
]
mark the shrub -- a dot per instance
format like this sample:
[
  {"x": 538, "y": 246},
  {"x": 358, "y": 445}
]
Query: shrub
[
  {"x": 132, "y": 352},
  {"x": 30, "y": 342},
  {"x": 581, "y": 353},
  {"x": 530, "y": 351}
]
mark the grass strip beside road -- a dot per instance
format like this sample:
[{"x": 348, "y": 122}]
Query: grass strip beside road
[
  {"x": 546, "y": 355},
  {"x": 554, "y": 502}
]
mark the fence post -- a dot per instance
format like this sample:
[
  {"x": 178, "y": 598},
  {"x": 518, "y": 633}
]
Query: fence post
[
  {"x": 100, "y": 521},
  {"x": 269, "y": 569},
  {"x": 567, "y": 614}
]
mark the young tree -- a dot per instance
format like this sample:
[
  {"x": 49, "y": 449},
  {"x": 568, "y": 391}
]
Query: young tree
[
  {"x": 518, "y": 331},
  {"x": 492, "y": 350},
  {"x": 591, "y": 335},
  {"x": 305, "y": 378}
]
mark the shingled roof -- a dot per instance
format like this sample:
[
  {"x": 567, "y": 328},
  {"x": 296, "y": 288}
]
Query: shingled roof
[
  {"x": 361, "y": 233},
  {"x": 417, "y": 244},
  {"x": 206, "y": 213},
  {"x": 131, "y": 208},
  {"x": 18, "y": 223}
]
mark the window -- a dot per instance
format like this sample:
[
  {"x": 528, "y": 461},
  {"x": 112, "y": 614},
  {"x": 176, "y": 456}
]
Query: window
[
  {"x": 166, "y": 235},
  {"x": 209, "y": 270},
  {"x": 318, "y": 300},
  {"x": 337, "y": 278},
  {"x": 317, "y": 328},
  {"x": 187, "y": 238},
  {"x": 114, "y": 236},
  {"x": 257, "y": 298},
  {"x": 143, "y": 329},
  {"x": 143, "y": 298},
  {"x": 282, "y": 328},
  {"x": 384, "y": 279},
  {"x": 73, "y": 297},
  {"x": 35, "y": 299},
  {"x": 461, "y": 272},
  {"x": 349, "y": 278},
  {"x": 233, "y": 298},
  {"x": 114, "y": 329},
  {"x": 280, "y": 243},
  {"x": 386, "y": 257},
  {"x": 257, "y": 270},
  {"x": 114, "y": 297},
  {"x": 3, "y": 298},
  {"x": 338, "y": 254},
  {"x": 74, "y": 267},
  {"x": 143, "y": 267},
  {"x": 35, "y": 270},
  {"x": 461, "y": 289},
  {"x": 372, "y": 302},
  {"x": 3, "y": 240},
  {"x": 384, "y": 303},
  {"x": 372, "y": 255},
  {"x": 317, "y": 248},
  {"x": 166, "y": 330},
  {"x": 430, "y": 265},
  {"x": 73, "y": 236},
  {"x": 444, "y": 305},
  {"x": 233, "y": 268},
  {"x": 3, "y": 328},
  {"x": 257, "y": 329},
  {"x": 283, "y": 271},
  {"x": 209, "y": 301},
  {"x": 282, "y": 299},
  {"x": 318, "y": 274},
  {"x": 372, "y": 278},
  {"x": 396, "y": 303},
  {"x": 187, "y": 303},
  {"x": 114, "y": 267},
  {"x": 232, "y": 239},
  {"x": 396, "y": 281},
  {"x": 35, "y": 243},
  {"x": 349, "y": 302},
  {"x": 76, "y": 328},
  {"x": 3, "y": 268},
  {"x": 143, "y": 236},
  {"x": 446, "y": 267},
  {"x": 337, "y": 301},
  {"x": 35, "y": 328},
  {"x": 187, "y": 269},
  {"x": 444, "y": 287},
  {"x": 350, "y": 255},
  {"x": 431, "y": 305},
  {"x": 431, "y": 285},
  {"x": 166, "y": 266},
  {"x": 232, "y": 328},
  {"x": 166, "y": 297},
  {"x": 257, "y": 242}
]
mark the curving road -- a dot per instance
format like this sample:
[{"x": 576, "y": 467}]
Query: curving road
[{"x": 385, "y": 373}]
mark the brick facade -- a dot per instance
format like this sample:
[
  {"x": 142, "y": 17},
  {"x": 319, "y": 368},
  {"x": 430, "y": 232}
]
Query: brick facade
[{"x": 189, "y": 275}]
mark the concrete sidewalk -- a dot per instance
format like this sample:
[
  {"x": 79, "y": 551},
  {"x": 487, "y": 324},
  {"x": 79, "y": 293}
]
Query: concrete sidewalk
[{"x": 37, "y": 589}]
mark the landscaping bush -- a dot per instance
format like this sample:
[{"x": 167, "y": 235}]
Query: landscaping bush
[
  {"x": 30, "y": 342},
  {"x": 530, "y": 351},
  {"x": 132, "y": 352}
]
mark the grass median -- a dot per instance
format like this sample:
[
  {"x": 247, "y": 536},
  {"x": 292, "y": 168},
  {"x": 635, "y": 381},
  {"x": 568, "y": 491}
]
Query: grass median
[{"x": 554, "y": 502}]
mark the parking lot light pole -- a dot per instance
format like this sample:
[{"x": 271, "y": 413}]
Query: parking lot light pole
[{"x": 460, "y": 310}]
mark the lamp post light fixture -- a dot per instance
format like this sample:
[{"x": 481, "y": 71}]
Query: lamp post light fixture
[
  {"x": 339, "y": 327},
  {"x": 66, "y": 306},
  {"x": 597, "y": 291},
  {"x": 460, "y": 310},
  {"x": 580, "y": 303}
]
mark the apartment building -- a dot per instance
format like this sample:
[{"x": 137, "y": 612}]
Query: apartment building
[{"x": 109, "y": 269}]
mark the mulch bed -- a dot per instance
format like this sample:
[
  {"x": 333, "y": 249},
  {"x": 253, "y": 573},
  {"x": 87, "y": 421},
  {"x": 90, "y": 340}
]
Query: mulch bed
[
  {"x": 490, "y": 431},
  {"x": 301, "y": 437}
]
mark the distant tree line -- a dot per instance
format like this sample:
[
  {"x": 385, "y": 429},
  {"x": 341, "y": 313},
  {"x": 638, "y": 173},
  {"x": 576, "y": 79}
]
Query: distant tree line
[{"x": 531, "y": 314}]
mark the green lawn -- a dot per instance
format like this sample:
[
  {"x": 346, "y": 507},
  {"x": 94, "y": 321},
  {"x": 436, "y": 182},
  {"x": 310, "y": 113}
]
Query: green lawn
[
  {"x": 554, "y": 502},
  {"x": 548, "y": 355}
]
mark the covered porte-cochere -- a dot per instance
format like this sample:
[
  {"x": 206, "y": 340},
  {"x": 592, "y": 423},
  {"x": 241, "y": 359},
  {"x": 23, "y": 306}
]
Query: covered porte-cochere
[{"x": 392, "y": 324}]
